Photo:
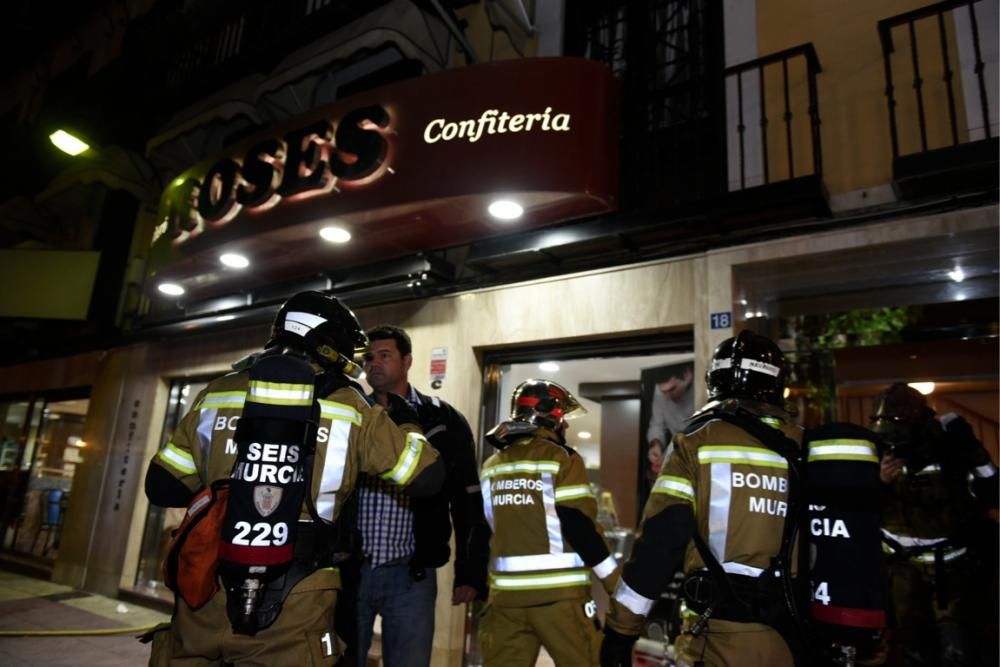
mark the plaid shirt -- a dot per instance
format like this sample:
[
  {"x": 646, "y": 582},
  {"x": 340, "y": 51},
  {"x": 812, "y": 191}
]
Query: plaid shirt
[{"x": 385, "y": 516}]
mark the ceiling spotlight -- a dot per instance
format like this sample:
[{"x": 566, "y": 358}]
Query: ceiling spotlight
[
  {"x": 170, "y": 289},
  {"x": 67, "y": 143},
  {"x": 335, "y": 234},
  {"x": 583, "y": 435},
  {"x": 548, "y": 366},
  {"x": 234, "y": 261},
  {"x": 958, "y": 275},
  {"x": 505, "y": 209},
  {"x": 923, "y": 387}
]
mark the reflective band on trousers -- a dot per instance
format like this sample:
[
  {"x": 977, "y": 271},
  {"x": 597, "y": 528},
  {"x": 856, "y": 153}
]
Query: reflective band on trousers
[
  {"x": 635, "y": 603},
  {"x": 747, "y": 455},
  {"x": 533, "y": 581},
  {"x": 538, "y": 562},
  {"x": 280, "y": 393},
  {"x": 845, "y": 449}
]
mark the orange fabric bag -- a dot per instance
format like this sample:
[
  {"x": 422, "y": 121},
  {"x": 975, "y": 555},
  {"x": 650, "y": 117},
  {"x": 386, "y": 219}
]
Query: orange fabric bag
[{"x": 193, "y": 558}]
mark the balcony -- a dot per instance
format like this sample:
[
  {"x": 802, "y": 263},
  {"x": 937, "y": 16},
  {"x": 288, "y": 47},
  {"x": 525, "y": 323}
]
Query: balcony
[
  {"x": 711, "y": 153},
  {"x": 941, "y": 90}
]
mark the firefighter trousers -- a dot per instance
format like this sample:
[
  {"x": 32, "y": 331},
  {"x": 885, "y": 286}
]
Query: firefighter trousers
[
  {"x": 725, "y": 643},
  {"x": 512, "y": 636},
  {"x": 302, "y": 636}
]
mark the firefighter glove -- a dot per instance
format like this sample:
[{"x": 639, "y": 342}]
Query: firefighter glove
[{"x": 616, "y": 649}]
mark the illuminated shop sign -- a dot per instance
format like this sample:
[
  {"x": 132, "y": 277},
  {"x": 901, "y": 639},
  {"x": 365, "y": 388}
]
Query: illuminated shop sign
[
  {"x": 494, "y": 121},
  {"x": 308, "y": 161},
  {"x": 401, "y": 169}
]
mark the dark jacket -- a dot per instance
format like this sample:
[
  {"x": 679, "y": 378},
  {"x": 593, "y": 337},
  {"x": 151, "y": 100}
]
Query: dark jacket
[{"x": 449, "y": 433}]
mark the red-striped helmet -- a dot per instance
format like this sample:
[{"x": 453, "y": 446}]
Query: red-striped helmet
[{"x": 544, "y": 403}]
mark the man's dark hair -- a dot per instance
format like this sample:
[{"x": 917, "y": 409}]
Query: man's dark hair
[{"x": 389, "y": 332}]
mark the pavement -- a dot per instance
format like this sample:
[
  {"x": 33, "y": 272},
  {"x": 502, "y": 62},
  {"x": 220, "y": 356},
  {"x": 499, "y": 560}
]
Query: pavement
[{"x": 29, "y": 604}]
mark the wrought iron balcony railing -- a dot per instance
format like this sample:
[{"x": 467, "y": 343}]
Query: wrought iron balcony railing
[{"x": 937, "y": 52}]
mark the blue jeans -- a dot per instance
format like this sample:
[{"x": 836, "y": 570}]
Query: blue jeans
[{"x": 407, "y": 610}]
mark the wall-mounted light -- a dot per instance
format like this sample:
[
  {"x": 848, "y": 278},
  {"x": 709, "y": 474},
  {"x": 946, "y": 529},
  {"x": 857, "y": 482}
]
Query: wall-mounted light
[
  {"x": 505, "y": 209},
  {"x": 335, "y": 234},
  {"x": 583, "y": 435},
  {"x": 170, "y": 289},
  {"x": 234, "y": 260},
  {"x": 924, "y": 388},
  {"x": 67, "y": 143},
  {"x": 548, "y": 366}
]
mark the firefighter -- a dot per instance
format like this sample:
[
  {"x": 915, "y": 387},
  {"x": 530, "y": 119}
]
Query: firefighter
[
  {"x": 724, "y": 505},
  {"x": 351, "y": 436},
  {"x": 545, "y": 541},
  {"x": 928, "y": 524}
]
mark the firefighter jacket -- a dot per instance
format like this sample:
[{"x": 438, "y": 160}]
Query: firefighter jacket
[
  {"x": 928, "y": 510},
  {"x": 738, "y": 490},
  {"x": 352, "y": 437},
  {"x": 542, "y": 510}
]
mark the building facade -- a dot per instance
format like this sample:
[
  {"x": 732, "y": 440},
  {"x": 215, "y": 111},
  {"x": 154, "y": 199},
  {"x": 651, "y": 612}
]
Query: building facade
[{"x": 685, "y": 169}]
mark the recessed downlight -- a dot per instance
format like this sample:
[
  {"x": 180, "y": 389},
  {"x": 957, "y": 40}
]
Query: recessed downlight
[
  {"x": 335, "y": 234},
  {"x": 505, "y": 209},
  {"x": 225, "y": 318},
  {"x": 957, "y": 274},
  {"x": 234, "y": 260},
  {"x": 548, "y": 366},
  {"x": 923, "y": 387},
  {"x": 170, "y": 289}
]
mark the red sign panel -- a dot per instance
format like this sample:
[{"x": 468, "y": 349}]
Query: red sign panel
[{"x": 409, "y": 167}]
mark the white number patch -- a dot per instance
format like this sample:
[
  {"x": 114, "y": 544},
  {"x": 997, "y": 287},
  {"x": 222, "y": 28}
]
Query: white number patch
[
  {"x": 264, "y": 534},
  {"x": 822, "y": 593}
]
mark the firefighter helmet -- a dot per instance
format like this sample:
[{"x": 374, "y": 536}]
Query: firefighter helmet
[
  {"x": 544, "y": 403},
  {"x": 901, "y": 416},
  {"x": 747, "y": 366},
  {"x": 324, "y": 328}
]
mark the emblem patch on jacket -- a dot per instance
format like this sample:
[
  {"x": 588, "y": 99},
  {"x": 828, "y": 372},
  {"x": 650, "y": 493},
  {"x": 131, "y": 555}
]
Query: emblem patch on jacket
[{"x": 266, "y": 499}]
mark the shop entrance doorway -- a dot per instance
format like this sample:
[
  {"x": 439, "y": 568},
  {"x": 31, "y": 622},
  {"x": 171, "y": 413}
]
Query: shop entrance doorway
[{"x": 617, "y": 382}]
